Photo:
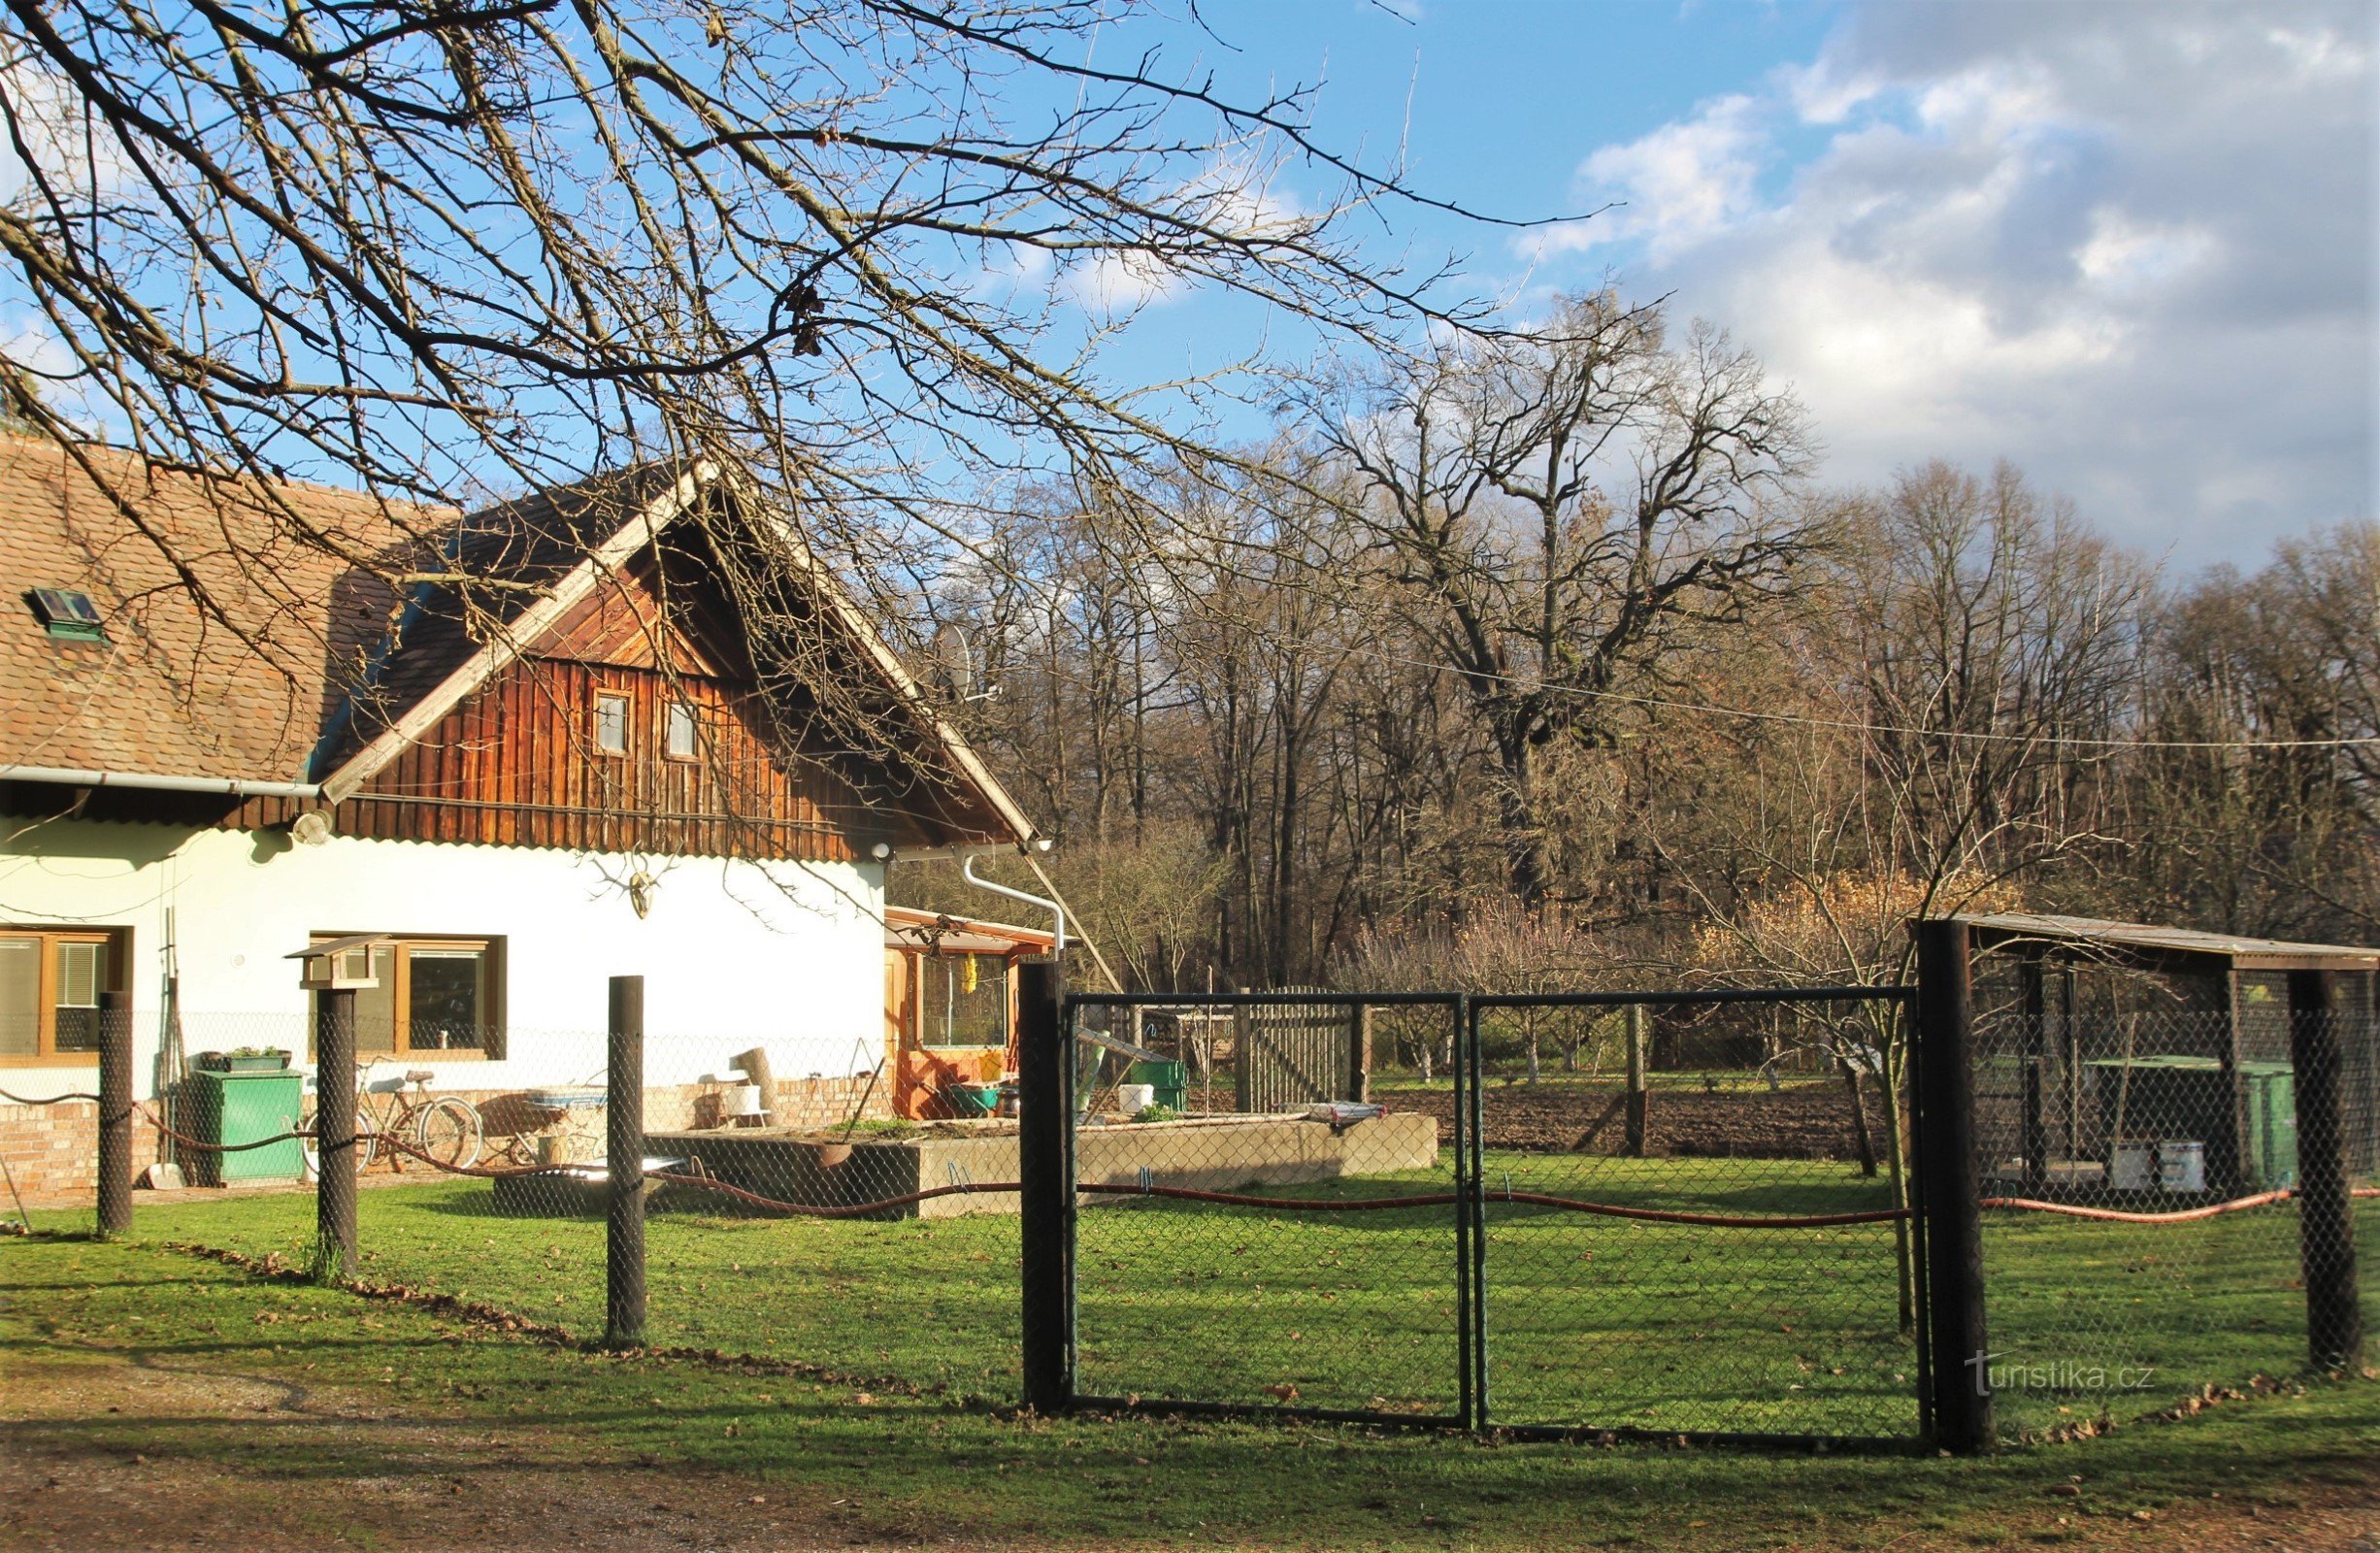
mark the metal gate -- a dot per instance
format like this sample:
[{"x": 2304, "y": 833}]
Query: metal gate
[{"x": 1543, "y": 1213}]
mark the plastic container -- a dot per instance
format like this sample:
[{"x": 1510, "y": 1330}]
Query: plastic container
[
  {"x": 2133, "y": 1168},
  {"x": 2181, "y": 1164},
  {"x": 1170, "y": 1079},
  {"x": 971, "y": 1100},
  {"x": 1134, "y": 1099}
]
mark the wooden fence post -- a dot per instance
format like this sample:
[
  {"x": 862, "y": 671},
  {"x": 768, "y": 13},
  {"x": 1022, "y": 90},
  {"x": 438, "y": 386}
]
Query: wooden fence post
[
  {"x": 114, "y": 1114},
  {"x": 1639, "y": 1094},
  {"x": 1359, "y": 1056},
  {"x": 2326, "y": 1221},
  {"x": 624, "y": 1158},
  {"x": 1044, "y": 1121},
  {"x": 1950, "y": 1190},
  {"x": 334, "y": 1134}
]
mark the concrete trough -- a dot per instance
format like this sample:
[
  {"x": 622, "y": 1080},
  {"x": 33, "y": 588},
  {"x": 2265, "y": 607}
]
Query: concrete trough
[{"x": 1207, "y": 1153}]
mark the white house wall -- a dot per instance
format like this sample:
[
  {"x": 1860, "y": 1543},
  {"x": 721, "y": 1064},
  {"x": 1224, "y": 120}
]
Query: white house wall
[{"x": 734, "y": 953}]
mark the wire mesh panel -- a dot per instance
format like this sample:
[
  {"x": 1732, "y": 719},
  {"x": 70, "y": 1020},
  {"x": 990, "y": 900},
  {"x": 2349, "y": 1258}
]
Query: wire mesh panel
[
  {"x": 1296, "y": 1253},
  {"x": 1688, "y": 1218},
  {"x": 2144, "y": 1237}
]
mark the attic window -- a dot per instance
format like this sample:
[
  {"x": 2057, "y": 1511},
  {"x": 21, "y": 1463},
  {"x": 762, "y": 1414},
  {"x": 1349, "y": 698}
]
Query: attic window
[
  {"x": 68, "y": 613},
  {"x": 610, "y": 723}
]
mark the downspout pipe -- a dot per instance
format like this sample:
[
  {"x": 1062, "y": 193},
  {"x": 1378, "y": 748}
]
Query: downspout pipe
[
  {"x": 142, "y": 782},
  {"x": 967, "y": 871}
]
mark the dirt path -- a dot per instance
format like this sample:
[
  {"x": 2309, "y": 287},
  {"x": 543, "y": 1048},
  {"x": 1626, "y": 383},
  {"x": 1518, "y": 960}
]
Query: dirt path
[{"x": 271, "y": 1465}]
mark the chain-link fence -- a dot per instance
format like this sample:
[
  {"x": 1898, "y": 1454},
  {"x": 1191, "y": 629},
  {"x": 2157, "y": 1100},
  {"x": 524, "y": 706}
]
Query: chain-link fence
[
  {"x": 1556, "y": 1212},
  {"x": 1248, "y": 1230},
  {"x": 2150, "y": 1231},
  {"x": 1678, "y": 1213},
  {"x": 1691, "y": 1221}
]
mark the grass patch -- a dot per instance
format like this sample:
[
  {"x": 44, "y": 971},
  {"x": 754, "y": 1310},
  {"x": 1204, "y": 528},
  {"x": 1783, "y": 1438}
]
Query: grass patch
[
  {"x": 928, "y": 1467},
  {"x": 1591, "y": 1321}
]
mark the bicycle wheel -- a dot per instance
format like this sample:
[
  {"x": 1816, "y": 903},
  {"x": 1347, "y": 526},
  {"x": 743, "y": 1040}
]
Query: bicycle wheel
[
  {"x": 311, "y": 1146},
  {"x": 447, "y": 1131}
]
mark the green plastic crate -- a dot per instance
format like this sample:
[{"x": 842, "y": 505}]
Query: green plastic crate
[{"x": 1170, "y": 1079}]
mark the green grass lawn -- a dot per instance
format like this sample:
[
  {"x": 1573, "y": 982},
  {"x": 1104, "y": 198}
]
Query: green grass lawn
[
  {"x": 1591, "y": 1321},
  {"x": 888, "y": 1467}
]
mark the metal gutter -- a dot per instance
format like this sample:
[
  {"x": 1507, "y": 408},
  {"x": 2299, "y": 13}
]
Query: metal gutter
[{"x": 142, "y": 782}]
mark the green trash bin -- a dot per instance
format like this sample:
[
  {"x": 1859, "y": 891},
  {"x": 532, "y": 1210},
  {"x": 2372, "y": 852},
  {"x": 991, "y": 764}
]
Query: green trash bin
[
  {"x": 240, "y": 1108},
  {"x": 1170, "y": 1080}
]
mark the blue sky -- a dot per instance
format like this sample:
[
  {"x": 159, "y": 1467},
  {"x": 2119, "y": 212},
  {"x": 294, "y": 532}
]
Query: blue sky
[{"x": 2130, "y": 247}]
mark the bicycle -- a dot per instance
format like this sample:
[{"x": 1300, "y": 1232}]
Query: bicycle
[{"x": 446, "y": 1129}]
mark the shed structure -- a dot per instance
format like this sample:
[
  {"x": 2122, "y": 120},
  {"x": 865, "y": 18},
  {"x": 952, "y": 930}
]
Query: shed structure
[{"x": 2132, "y": 1056}]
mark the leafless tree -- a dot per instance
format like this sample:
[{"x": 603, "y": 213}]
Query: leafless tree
[{"x": 1558, "y": 509}]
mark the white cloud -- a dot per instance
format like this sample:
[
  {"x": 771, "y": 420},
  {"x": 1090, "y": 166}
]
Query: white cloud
[
  {"x": 2130, "y": 248},
  {"x": 1683, "y": 182}
]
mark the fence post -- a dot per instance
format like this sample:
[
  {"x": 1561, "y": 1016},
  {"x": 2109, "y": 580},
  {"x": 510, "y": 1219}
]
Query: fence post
[
  {"x": 1046, "y": 1191},
  {"x": 114, "y": 1114},
  {"x": 1637, "y": 1095},
  {"x": 2326, "y": 1223},
  {"x": 334, "y": 1134},
  {"x": 1950, "y": 1188},
  {"x": 1358, "y": 1055},
  {"x": 624, "y": 1158}
]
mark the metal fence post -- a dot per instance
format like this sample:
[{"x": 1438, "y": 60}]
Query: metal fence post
[
  {"x": 1045, "y": 1201},
  {"x": 1950, "y": 1189},
  {"x": 114, "y": 1114},
  {"x": 624, "y": 1158},
  {"x": 2325, "y": 1222},
  {"x": 1639, "y": 1098},
  {"x": 1467, "y": 1383},
  {"x": 334, "y": 1135}
]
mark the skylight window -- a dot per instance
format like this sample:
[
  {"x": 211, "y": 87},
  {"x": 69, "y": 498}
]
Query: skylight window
[{"x": 68, "y": 613}]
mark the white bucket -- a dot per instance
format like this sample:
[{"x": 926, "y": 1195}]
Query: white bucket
[
  {"x": 2133, "y": 1168},
  {"x": 2181, "y": 1164},
  {"x": 1134, "y": 1099}
]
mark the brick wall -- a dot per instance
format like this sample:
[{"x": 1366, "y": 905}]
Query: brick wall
[{"x": 52, "y": 1151}]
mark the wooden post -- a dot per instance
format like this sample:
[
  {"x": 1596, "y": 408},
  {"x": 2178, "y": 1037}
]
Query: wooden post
[
  {"x": 1949, "y": 1191},
  {"x": 624, "y": 1157},
  {"x": 334, "y": 1135},
  {"x": 2034, "y": 1146},
  {"x": 1244, "y": 1071},
  {"x": 114, "y": 1114},
  {"x": 2326, "y": 1221},
  {"x": 1046, "y": 1233},
  {"x": 1358, "y": 1055},
  {"x": 2227, "y": 1152},
  {"x": 1639, "y": 1096}
]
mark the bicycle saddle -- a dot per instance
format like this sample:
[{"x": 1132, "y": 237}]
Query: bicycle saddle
[{"x": 418, "y": 1075}]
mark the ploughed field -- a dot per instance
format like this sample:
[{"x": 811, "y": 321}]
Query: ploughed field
[{"x": 1802, "y": 1120}]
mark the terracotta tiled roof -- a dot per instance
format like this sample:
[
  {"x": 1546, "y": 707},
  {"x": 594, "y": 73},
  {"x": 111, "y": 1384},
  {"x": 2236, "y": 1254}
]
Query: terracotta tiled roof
[
  {"x": 239, "y": 687},
  {"x": 302, "y": 652}
]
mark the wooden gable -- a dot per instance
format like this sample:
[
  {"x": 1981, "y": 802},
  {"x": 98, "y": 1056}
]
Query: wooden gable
[{"x": 518, "y": 761}]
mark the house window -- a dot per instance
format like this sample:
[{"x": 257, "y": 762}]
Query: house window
[
  {"x": 434, "y": 995},
  {"x": 963, "y": 1001},
  {"x": 680, "y": 745},
  {"x": 611, "y": 722},
  {"x": 50, "y": 987}
]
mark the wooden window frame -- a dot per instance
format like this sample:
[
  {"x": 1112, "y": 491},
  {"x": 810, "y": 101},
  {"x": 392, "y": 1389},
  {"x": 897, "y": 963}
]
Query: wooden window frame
[
  {"x": 694, "y": 730},
  {"x": 628, "y": 722},
  {"x": 118, "y": 942},
  {"x": 493, "y": 1025}
]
